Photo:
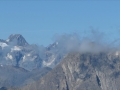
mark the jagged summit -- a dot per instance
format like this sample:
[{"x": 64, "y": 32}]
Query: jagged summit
[
  {"x": 18, "y": 38},
  {"x": 51, "y": 46}
]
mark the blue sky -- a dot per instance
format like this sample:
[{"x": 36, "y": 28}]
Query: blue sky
[{"x": 39, "y": 21}]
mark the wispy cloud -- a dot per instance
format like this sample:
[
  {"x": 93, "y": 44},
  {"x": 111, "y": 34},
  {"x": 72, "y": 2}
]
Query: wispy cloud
[{"x": 95, "y": 42}]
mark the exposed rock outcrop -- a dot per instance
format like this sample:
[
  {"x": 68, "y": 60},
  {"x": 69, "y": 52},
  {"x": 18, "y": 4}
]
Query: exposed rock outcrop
[{"x": 82, "y": 72}]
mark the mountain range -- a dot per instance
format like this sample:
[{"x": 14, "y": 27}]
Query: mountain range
[
  {"x": 17, "y": 52},
  {"x": 25, "y": 66},
  {"x": 22, "y": 63}
]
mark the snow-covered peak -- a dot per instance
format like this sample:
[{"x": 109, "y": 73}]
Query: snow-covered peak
[
  {"x": 3, "y": 45},
  {"x": 18, "y": 39},
  {"x": 15, "y": 36},
  {"x": 52, "y": 46}
]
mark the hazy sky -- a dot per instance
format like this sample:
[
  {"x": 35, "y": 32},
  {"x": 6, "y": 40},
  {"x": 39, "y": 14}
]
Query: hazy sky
[{"x": 39, "y": 21}]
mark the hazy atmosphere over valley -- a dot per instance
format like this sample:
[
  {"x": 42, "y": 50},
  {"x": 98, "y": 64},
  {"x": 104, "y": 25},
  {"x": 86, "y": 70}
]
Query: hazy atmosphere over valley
[{"x": 59, "y": 45}]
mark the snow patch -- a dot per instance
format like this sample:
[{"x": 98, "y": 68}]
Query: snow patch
[
  {"x": 28, "y": 55},
  {"x": 8, "y": 40},
  {"x": 3, "y": 45},
  {"x": 33, "y": 58},
  {"x": 9, "y": 56},
  {"x": 15, "y": 48},
  {"x": 117, "y": 53},
  {"x": 24, "y": 58},
  {"x": 49, "y": 62}
]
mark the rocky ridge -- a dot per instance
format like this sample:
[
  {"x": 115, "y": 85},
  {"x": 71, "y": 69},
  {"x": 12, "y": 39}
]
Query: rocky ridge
[{"x": 82, "y": 72}]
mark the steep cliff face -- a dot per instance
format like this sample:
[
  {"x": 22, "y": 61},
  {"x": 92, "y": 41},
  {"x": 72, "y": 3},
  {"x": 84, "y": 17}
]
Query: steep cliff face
[{"x": 82, "y": 72}]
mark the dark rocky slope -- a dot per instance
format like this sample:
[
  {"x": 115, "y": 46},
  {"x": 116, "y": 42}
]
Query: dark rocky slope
[
  {"x": 11, "y": 76},
  {"x": 82, "y": 72}
]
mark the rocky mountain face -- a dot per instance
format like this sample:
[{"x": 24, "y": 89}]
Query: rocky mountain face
[
  {"x": 28, "y": 67},
  {"x": 53, "y": 55},
  {"x": 82, "y": 71},
  {"x": 22, "y": 63},
  {"x": 18, "y": 39},
  {"x": 16, "y": 51}
]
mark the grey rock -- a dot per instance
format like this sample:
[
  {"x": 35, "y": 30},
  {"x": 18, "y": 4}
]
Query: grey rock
[
  {"x": 17, "y": 39},
  {"x": 85, "y": 71}
]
